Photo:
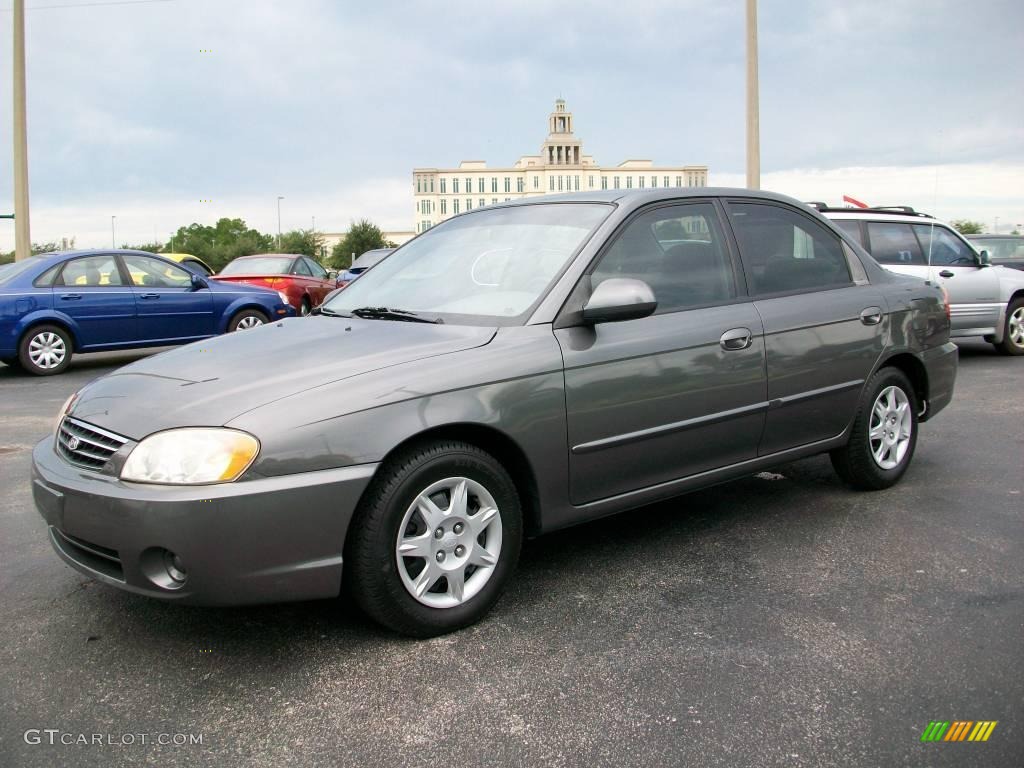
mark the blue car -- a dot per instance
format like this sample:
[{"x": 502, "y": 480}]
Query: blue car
[{"x": 53, "y": 305}]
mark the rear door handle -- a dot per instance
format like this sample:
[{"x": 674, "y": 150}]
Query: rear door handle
[
  {"x": 947, "y": 273},
  {"x": 735, "y": 339},
  {"x": 71, "y": 297},
  {"x": 871, "y": 316},
  {"x": 149, "y": 295}
]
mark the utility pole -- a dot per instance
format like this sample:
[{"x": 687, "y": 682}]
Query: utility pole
[
  {"x": 113, "y": 240},
  {"x": 279, "y": 199},
  {"x": 22, "y": 236},
  {"x": 753, "y": 117}
]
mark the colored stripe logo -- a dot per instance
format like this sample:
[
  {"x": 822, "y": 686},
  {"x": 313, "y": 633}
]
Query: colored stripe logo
[{"x": 959, "y": 730}]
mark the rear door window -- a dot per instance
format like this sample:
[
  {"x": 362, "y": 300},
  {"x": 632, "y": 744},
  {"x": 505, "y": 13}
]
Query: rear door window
[
  {"x": 90, "y": 272},
  {"x": 894, "y": 243}
]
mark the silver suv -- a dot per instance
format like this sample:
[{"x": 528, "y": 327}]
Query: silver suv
[{"x": 985, "y": 300}]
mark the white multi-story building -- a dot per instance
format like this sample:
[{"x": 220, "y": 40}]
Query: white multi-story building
[{"x": 561, "y": 166}]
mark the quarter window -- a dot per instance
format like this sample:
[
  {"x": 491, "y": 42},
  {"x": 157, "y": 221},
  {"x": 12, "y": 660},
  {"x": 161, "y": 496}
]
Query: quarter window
[
  {"x": 678, "y": 251},
  {"x": 784, "y": 251},
  {"x": 316, "y": 269},
  {"x": 894, "y": 243}
]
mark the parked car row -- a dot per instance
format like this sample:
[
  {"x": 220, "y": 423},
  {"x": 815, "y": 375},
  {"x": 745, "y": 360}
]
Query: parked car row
[{"x": 514, "y": 370}]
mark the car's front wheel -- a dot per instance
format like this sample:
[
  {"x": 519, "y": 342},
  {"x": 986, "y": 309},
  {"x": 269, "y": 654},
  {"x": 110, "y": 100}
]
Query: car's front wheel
[
  {"x": 884, "y": 434},
  {"x": 246, "y": 319},
  {"x": 435, "y": 540},
  {"x": 45, "y": 350},
  {"x": 1013, "y": 331}
]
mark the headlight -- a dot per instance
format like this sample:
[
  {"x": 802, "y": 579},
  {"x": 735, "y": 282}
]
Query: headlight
[
  {"x": 64, "y": 411},
  {"x": 191, "y": 456},
  {"x": 284, "y": 297}
]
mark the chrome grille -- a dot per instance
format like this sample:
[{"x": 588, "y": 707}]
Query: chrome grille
[{"x": 85, "y": 445}]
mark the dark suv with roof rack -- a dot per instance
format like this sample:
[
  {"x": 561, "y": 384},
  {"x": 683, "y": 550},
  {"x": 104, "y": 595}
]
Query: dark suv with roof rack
[{"x": 984, "y": 299}]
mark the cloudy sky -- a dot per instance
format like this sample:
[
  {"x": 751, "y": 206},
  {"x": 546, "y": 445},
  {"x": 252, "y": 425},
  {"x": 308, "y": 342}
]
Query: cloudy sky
[{"x": 331, "y": 104}]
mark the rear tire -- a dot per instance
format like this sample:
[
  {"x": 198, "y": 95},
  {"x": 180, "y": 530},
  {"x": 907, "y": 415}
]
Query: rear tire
[
  {"x": 246, "y": 319},
  {"x": 446, "y": 581},
  {"x": 1013, "y": 329},
  {"x": 884, "y": 434},
  {"x": 305, "y": 308},
  {"x": 45, "y": 350}
]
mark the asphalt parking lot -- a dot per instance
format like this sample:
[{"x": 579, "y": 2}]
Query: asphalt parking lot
[{"x": 778, "y": 620}]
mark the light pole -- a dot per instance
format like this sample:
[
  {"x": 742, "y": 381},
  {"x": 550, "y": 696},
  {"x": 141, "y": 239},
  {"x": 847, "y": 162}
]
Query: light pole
[
  {"x": 279, "y": 199},
  {"x": 753, "y": 118},
  {"x": 22, "y": 238},
  {"x": 113, "y": 240},
  {"x": 314, "y": 223}
]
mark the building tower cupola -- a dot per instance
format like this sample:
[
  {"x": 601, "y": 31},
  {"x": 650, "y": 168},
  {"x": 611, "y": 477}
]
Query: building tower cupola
[{"x": 561, "y": 147}]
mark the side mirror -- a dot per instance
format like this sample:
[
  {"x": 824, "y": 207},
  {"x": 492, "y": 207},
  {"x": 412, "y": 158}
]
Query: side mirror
[
  {"x": 332, "y": 274},
  {"x": 984, "y": 259},
  {"x": 619, "y": 298},
  {"x": 199, "y": 282}
]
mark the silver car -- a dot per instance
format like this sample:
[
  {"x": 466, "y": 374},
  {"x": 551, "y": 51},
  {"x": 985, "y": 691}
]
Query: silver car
[
  {"x": 512, "y": 371},
  {"x": 985, "y": 299}
]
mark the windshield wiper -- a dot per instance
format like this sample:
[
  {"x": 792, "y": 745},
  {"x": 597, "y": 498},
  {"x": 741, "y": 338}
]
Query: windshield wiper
[{"x": 386, "y": 313}]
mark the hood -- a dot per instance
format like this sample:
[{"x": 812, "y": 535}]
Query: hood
[
  {"x": 245, "y": 282},
  {"x": 210, "y": 382}
]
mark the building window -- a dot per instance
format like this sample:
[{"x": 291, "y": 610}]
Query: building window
[
  {"x": 508, "y": 184},
  {"x": 480, "y": 185},
  {"x": 641, "y": 182},
  {"x": 418, "y": 190},
  {"x": 482, "y": 203},
  {"x": 519, "y": 184},
  {"x": 576, "y": 183},
  {"x": 444, "y": 205},
  {"x": 469, "y": 204},
  {"x": 494, "y": 183},
  {"x": 551, "y": 183},
  {"x": 469, "y": 185},
  {"x": 616, "y": 185},
  {"x": 604, "y": 182},
  {"x": 494, "y": 201},
  {"x": 654, "y": 181},
  {"x": 679, "y": 181},
  {"x": 536, "y": 182},
  {"x": 590, "y": 182},
  {"x": 629, "y": 182},
  {"x": 507, "y": 199},
  {"x": 455, "y": 186},
  {"x": 665, "y": 182},
  {"x": 443, "y": 185}
]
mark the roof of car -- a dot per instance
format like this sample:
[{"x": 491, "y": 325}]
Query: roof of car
[
  {"x": 994, "y": 237},
  {"x": 261, "y": 255},
  {"x": 641, "y": 196}
]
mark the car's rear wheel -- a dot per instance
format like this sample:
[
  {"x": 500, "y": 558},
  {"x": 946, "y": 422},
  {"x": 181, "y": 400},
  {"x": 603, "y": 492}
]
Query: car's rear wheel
[
  {"x": 306, "y": 307},
  {"x": 884, "y": 434},
  {"x": 1013, "y": 331},
  {"x": 435, "y": 539},
  {"x": 246, "y": 319},
  {"x": 45, "y": 350}
]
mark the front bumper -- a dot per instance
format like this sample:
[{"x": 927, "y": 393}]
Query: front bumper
[
  {"x": 268, "y": 540},
  {"x": 941, "y": 366}
]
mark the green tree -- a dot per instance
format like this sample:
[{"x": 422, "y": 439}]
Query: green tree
[
  {"x": 37, "y": 248},
  {"x": 304, "y": 241},
  {"x": 219, "y": 244},
  {"x": 967, "y": 227},
  {"x": 151, "y": 247},
  {"x": 361, "y": 237}
]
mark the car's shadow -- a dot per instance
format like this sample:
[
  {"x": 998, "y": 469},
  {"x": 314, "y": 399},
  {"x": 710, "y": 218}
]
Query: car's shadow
[{"x": 554, "y": 568}]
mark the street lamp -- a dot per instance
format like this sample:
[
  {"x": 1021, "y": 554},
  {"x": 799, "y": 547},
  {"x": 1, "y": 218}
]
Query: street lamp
[
  {"x": 279, "y": 199},
  {"x": 113, "y": 240}
]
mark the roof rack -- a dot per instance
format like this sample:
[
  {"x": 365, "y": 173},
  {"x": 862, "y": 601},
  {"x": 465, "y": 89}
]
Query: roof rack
[{"x": 905, "y": 210}]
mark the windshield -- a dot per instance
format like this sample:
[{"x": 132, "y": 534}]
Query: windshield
[
  {"x": 1001, "y": 248},
  {"x": 488, "y": 267},
  {"x": 10, "y": 271},
  {"x": 259, "y": 265},
  {"x": 370, "y": 258}
]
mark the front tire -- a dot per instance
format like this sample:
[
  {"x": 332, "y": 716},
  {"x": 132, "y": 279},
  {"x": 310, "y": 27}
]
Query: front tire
[
  {"x": 45, "y": 350},
  {"x": 1013, "y": 330},
  {"x": 247, "y": 319},
  {"x": 884, "y": 434},
  {"x": 435, "y": 540}
]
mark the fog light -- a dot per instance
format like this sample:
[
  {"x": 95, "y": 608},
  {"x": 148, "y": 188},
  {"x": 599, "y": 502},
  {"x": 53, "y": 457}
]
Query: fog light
[{"x": 175, "y": 568}]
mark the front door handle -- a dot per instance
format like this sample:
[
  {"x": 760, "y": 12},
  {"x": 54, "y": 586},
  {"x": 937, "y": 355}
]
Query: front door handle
[
  {"x": 871, "y": 316},
  {"x": 947, "y": 273},
  {"x": 71, "y": 297},
  {"x": 149, "y": 295},
  {"x": 735, "y": 339}
]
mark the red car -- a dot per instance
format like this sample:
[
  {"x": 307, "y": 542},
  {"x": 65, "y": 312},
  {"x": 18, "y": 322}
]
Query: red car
[{"x": 299, "y": 279}]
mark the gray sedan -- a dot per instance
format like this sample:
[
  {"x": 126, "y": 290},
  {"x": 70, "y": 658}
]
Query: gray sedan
[{"x": 512, "y": 371}]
